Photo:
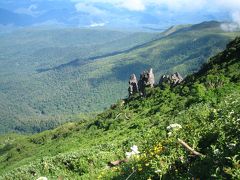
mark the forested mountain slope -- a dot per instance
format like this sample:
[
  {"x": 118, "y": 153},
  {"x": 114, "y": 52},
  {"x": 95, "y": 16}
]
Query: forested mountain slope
[
  {"x": 48, "y": 77},
  {"x": 190, "y": 131},
  {"x": 25, "y": 93}
]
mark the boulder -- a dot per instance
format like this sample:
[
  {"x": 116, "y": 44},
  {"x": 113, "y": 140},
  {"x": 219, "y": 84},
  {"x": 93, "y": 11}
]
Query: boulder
[
  {"x": 176, "y": 78},
  {"x": 141, "y": 84},
  {"x": 133, "y": 85},
  {"x": 173, "y": 79},
  {"x": 151, "y": 79},
  {"x": 146, "y": 80}
]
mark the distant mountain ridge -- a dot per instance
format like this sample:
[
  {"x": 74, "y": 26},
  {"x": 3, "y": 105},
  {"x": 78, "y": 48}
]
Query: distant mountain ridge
[{"x": 170, "y": 31}]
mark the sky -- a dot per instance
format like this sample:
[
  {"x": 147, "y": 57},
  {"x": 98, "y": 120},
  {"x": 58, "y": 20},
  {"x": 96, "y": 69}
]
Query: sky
[{"x": 119, "y": 13}]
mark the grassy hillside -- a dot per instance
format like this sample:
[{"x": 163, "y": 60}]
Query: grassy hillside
[
  {"x": 48, "y": 77},
  {"x": 205, "y": 108}
]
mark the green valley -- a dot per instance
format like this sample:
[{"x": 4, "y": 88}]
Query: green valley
[
  {"x": 52, "y": 76},
  {"x": 205, "y": 108}
]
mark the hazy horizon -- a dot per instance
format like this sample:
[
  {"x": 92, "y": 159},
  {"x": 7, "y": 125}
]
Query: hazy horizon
[{"x": 117, "y": 13}]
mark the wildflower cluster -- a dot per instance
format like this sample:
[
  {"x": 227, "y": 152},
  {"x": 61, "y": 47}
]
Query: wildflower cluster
[
  {"x": 172, "y": 128},
  {"x": 145, "y": 163},
  {"x": 134, "y": 152}
]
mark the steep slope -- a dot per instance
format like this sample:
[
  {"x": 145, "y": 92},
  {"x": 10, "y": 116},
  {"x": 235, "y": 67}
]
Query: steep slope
[
  {"x": 56, "y": 75},
  {"x": 205, "y": 108}
]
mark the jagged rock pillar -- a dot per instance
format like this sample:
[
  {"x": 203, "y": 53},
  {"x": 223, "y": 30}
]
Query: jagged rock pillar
[
  {"x": 133, "y": 85},
  {"x": 147, "y": 79},
  {"x": 151, "y": 79},
  {"x": 141, "y": 85}
]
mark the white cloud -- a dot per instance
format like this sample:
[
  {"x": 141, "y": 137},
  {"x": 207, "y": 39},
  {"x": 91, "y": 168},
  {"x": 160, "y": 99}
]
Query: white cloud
[
  {"x": 236, "y": 17},
  {"x": 31, "y": 10},
  {"x": 132, "y": 5},
  {"x": 88, "y": 8},
  {"x": 190, "y": 5},
  {"x": 229, "y": 27},
  {"x": 228, "y": 4},
  {"x": 234, "y": 25},
  {"x": 179, "y": 5},
  {"x": 172, "y": 5},
  {"x": 97, "y": 25},
  {"x": 218, "y": 9}
]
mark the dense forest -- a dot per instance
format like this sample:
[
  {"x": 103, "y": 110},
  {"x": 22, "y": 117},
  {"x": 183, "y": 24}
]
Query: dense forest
[
  {"x": 52, "y": 76},
  {"x": 190, "y": 131}
]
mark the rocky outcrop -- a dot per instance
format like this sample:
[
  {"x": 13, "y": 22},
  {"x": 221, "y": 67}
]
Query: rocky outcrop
[
  {"x": 172, "y": 80},
  {"x": 177, "y": 78},
  {"x": 133, "y": 85},
  {"x": 151, "y": 78},
  {"x": 146, "y": 80}
]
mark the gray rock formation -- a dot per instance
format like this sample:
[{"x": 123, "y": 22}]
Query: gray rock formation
[
  {"x": 146, "y": 80},
  {"x": 176, "y": 78},
  {"x": 172, "y": 80},
  {"x": 164, "y": 79},
  {"x": 133, "y": 85},
  {"x": 151, "y": 79},
  {"x": 141, "y": 84}
]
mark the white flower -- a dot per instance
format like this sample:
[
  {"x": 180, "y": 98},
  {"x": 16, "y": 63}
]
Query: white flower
[
  {"x": 174, "y": 127},
  {"x": 134, "y": 152},
  {"x": 157, "y": 171},
  {"x": 42, "y": 178},
  {"x": 134, "y": 149},
  {"x": 232, "y": 144},
  {"x": 129, "y": 154},
  {"x": 169, "y": 133},
  {"x": 216, "y": 151}
]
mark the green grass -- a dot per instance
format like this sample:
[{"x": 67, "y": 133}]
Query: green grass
[{"x": 206, "y": 105}]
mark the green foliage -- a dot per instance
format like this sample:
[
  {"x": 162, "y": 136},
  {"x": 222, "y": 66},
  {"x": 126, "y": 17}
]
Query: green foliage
[
  {"x": 207, "y": 118},
  {"x": 81, "y": 64}
]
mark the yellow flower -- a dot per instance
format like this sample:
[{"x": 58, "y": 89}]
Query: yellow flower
[
  {"x": 140, "y": 169},
  {"x": 137, "y": 157},
  {"x": 114, "y": 169}
]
